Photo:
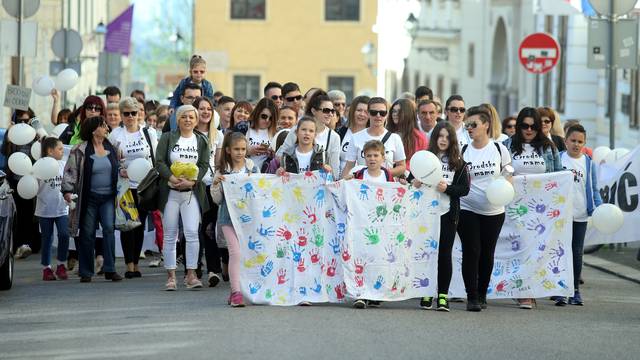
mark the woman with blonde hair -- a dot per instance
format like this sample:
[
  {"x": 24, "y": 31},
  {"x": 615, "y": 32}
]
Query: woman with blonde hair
[{"x": 551, "y": 127}]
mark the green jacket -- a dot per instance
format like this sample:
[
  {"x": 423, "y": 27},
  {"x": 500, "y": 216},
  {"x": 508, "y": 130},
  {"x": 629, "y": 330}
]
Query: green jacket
[{"x": 163, "y": 165}]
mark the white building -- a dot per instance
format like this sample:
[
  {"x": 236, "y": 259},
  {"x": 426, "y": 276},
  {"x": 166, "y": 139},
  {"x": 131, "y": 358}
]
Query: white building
[{"x": 470, "y": 47}]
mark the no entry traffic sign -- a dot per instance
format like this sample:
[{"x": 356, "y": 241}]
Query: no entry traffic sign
[{"x": 539, "y": 53}]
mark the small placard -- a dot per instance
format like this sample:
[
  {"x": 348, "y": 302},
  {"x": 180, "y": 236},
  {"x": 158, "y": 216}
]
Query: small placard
[{"x": 17, "y": 97}]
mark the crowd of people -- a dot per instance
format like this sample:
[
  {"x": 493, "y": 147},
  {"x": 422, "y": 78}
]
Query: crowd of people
[{"x": 286, "y": 131}]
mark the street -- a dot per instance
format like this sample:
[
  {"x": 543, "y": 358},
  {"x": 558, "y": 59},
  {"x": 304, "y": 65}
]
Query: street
[{"x": 135, "y": 319}]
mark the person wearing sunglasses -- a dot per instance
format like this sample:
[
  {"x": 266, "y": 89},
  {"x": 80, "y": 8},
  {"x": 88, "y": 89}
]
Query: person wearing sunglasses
[
  {"x": 454, "y": 111},
  {"x": 132, "y": 142},
  {"x": 551, "y": 127},
  {"x": 262, "y": 128},
  {"x": 357, "y": 120},
  {"x": 395, "y": 159},
  {"x": 509, "y": 126},
  {"x": 480, "y": 222},
  {"x": 531, "y": 153},
  {"x": 273, "y": 91},
  {"x": 292, "y": 96},
  {"x": 320, "y": 108},
  {"x": 339, "y": 100},
  {"x": 91, "y": 107},
  {"x": 402, "y": 121}
]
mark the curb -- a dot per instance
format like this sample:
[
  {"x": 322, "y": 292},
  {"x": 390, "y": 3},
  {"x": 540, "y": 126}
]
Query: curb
[{"x": 611, "y": 272}]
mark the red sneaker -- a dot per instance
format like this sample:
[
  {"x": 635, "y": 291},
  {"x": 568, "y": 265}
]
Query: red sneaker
[
  {"x": 61, "y": 272},
  {"x": 236, "y": 300},
  {"x": 47, "y": 274}
]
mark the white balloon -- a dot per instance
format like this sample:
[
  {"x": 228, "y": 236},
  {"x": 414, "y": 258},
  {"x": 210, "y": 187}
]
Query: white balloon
[
  {"x": 46, "y": 168},
  {"x": 426, "y": 167},
  {"x": 36, "y": 150},
  {"x": 20, "y": 163},
  {"x": 42, "y": 85},
  {"x": 608, "y": 218},
  {"x": 615, "y": 155},
  {"x": 21, "y": 134},
  {"x": 500, "y": 192},
  {"x": 66, "y": 79},
  {"x": 138, "y": 169},
  {"x": 28, "y": 187},
  {"x": 58, "y": 130},
  {"x": 216, "y": 119},
  {"x": 600, "y": 153}
]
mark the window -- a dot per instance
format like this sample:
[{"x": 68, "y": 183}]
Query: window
[
  {"x": 248, "y": 9},
  {"x": 246, "y": 87},
  {"x": 342, "y": 10},
  {"x": 561, "y": 67},
  {"x": 344, "y": 83},
  {"x": 472, "y": 60}
]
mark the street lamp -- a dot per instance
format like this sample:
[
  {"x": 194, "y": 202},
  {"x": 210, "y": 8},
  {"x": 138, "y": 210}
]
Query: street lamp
[
  {"x": 368, "y": 50},
  {"x": 412, "y": 25}
]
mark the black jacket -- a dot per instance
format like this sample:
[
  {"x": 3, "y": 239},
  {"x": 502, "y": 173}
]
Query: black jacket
[
  {"x": 459, "y": 187},
  {"x": 291, "y": 161},
  {"x": 558, "y": 141}
]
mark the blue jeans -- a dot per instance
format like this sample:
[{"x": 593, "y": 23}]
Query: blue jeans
[
  {"x": 577, "y": 248},
  {"x": 46, "y": 228},
  {"x": 102, "y": 208}
]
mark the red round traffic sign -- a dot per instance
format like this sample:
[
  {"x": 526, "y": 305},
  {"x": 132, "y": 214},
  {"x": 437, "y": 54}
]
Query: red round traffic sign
[{"x": 539, "y": 53}]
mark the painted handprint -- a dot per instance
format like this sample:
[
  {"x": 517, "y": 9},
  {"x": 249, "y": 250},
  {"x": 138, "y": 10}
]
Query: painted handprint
[
  {"x": 399, "y": 195},
  {"x": 297, "y": 194},
  {"x": 281, "y": 251},
  {"x": 537, "y": 226},
  {"x": 552, "y": 214},
  {"x": 331, "y": 269},
  {"x": 557, "y": 253},
  {"x": 345, "y": 254},
  {"x": 317, "y": 288},
  {"x": 335, "y": 245},
  {"x": 315, "y": 257},
  {"x": 276, "y": 195},
  {"x": 551, "y": 185},
  {"x": 432, "y": 243},
  {"x": 341, "y": 228},
  {"x": 399, "y": 237},
  {"x": 537, "y": 205},
  {"x": 502, "y": 286},
  {"x": 301, "y": 267},
  {"x": 341, "y": 291},
  {"x": 379, "y": 213},
  {"x": 548, "y": 285},
  {"x": 416, "y": 195},
  {"x": 266, "y": 232},
  {"x": 516, "y": 282},
  {"x": 498, "y": 269},
  {"x": 266, "y": 269},
  {"x": 515, "y": 266},
  {"x": 254, "y": 287},
  {"x": 517, "y": 211},
  {"x": 302, "y": 237},
  {"x": 359, "y": 279},
  {"x": 422, "y": 254},
  {"x": 310, "y": 213},
  {"x": 435, "y": 203},
  {"x": 514, "y": 239},
  {"x": 318, "y": 236},
  {"x": 380, "y": 194},
  {"x": 420, "y": 282},
  {"x": 554, "y": 266},
  {"x": 249, "y": 191},
  {"x": 563, "y": 284},
  {"x": 268, "y": 212},
  {"x": 364, "y": 192},
  {"x": 290, "y": 218},
  {"x": 559, "y": 199},
  {"x": 241, "y": 204},
  {"x": 282, "y": 274},
  {"x": 245, "y": 218},
  {"x": 379, "y": 282},
  {"x": 285, "y": 177},
  {"x": 372, "y": 236},
  {"x": 319, "y": 197},
  {"x": 391, "y": 253},
  {"x": 283, "y": 233},
  {"x": 302, "y": 290},
  {"x": 296, "y": 253},
  {"x": 310, "y": 176},
  {"x": 359, "y": 265},
  {"x": 268, "y": 294},
  {"x": 398, "y": 212},
  {"x": 254, "y": 245}
]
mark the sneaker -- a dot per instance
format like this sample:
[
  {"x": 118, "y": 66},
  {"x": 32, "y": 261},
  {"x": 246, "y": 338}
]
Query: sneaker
[
  {"x": 155, "y": 263},
  {"x": 443, "y": 303},
  {"x": 305, "y": 303},
  {"x": 360, "y": 304},
  {"x": 128, "y": 274},
  {"x": 142, "y": 255},
  {"x": 526, "y": 304},
  {"x": 455, "y": 299},
  {"x": 71, "y": 264},
  {"x": 473, "y": 306},
  {"x": 61, "y": 272},
  {"x": 137, "y": 274},
  {"x": 576, "y": 299},
  {"x": 559, "y": 300},
  {"x": 23, "y": 252},
  {"x": 426, "y": 303},
  {"x": 374, "y": 303},
  {"x": 214, "y": 279},
  {"x": 47, "y": 274},
  {"x": 236, "y": 300},
  {"x": 482, "y": 300}
]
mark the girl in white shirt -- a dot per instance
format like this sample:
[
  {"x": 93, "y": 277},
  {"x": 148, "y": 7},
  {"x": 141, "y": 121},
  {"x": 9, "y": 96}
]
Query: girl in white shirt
[
  {"x": 262, "y": 128},
  {"x": 52, "y": 209},
  {"x": 358, "y": 119}
]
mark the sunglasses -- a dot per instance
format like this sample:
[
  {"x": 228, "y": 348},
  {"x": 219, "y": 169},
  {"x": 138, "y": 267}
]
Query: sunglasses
[
  {"x": 265, "y": 117},
  {"x": 510, "y": 126},
  {"x": 378, "y": 112},
  {"x": 294, "y": 98},
  {"x": 129, "y": 113},
  {"x": 547, "y": 121},
  {"x": 339, "y": 104},
  {"x": 524, "y": 126},
  {"x": 460, "y": 110},
  {"x": 276, "y": 97},
  {"x": 471, "y": 125},
  {"x": 93, "y": 107},
  {"x": 328, "y": 111}
]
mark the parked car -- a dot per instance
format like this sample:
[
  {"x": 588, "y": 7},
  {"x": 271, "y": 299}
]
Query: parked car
[{"x": 7, "y": 215}]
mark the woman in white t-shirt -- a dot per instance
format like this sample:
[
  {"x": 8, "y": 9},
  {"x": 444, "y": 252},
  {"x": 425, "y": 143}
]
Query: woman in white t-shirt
[
  {"x": 480, "y": 221},
  {"x": 132, "y": 143},
  {"x": 208, "y": 245},
  {"x": 357, "y": 119},
  {"x": 395, "y": 159},
  {"x": 454, "y": 111},
  {"x": 262, "y": 128}
]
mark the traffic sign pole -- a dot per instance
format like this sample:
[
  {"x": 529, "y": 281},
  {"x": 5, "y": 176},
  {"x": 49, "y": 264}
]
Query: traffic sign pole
[
  {"x": 613, "y": 78},
  {"x": 20, "y": 62}
]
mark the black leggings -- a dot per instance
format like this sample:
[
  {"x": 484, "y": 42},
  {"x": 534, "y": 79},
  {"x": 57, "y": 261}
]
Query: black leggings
[
  {"x": 479, "y": 235},
  {"x": 447, "y": 235},
  {"x": 208, "y": 243},
  {"x": 132, "y": 240},
  {"x": 27, "y": 231}
]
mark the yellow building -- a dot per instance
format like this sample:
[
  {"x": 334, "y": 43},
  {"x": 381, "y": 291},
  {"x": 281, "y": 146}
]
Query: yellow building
[{"x": 315, "y": 43}]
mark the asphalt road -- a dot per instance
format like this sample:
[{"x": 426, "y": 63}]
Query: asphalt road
[{"x": 134, "y": 319}]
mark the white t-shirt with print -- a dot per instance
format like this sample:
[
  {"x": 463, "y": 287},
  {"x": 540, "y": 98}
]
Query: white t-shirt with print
[
  {"x": 528, "y": 161},
  {"x": 304, "y": 160},
  {"x": 257, "y": 137},
  {"x": 579, "y": 169},
  {"x": 447, "y": 175},
  {"x": 50, "y": 203},
  {"x": 382, "y": 178},
  {"x": 185, "y": 150},
  {"x": 214, "y": 148},
  {"x": 393, "y": 148},
  {"x": 485, "y": 165},
  {"x": 132, "y": 146},
  {"x": 344, "y": 147},
  {"x": 463, "y": 136}
]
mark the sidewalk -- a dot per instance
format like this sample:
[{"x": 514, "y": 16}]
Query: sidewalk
[{"x": 617, "y": 260}]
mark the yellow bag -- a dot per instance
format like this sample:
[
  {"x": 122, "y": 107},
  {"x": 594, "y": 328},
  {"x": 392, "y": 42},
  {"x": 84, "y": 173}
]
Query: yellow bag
[
  {"x": 188, "y": 171},
  {"x": 127, "y": 216}
]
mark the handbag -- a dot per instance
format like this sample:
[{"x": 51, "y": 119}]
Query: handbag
[{"x": 148, "y": 187}]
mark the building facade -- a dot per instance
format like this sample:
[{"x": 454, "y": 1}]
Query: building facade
[{"x": 328, "y": 44}]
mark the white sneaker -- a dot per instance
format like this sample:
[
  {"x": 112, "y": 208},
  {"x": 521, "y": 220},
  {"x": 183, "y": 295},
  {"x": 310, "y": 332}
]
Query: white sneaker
[
  {"x": 142, "y": 255},
  {"x": 155, "y": 263},
  {"x": 23, "y": 252},
  {"x": 214, "y": 279}
]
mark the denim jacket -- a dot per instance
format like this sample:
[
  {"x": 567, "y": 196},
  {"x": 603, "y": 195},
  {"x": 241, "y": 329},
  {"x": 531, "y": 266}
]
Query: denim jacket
[
  {"x": 550, "y": 155},
  {"x": 207, "y": 90},
  {"x": 592, "y": 192}
]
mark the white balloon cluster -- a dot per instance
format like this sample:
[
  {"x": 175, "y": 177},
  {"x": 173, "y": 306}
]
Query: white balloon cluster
[
  {"x": 426, "y": 167},
  {"x": 602, "y": 154},
  {"x": 44, "y": 169},
  {"x": 65, "y": 80}
]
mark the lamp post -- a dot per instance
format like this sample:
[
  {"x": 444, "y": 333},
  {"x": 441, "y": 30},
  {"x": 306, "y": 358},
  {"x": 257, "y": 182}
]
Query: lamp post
[
  {"x": 412, "y": 25},
  {"x": 368, "y": 51}
]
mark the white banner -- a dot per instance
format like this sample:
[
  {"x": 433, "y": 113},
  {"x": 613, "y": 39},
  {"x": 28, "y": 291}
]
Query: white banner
[
  {"x": 304, "y": 240},
  {"x": 618, "y": 184},
  {"x": 533, "y": 254}
]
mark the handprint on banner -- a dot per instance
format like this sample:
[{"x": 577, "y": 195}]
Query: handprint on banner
[
  {"x": 302, "y": 236},
  {"x": 396, "y": 281},
  {"x": 301, "y": 267},
  {"x": 263, "y": 183},
  {"x": 281, "y": 251},
  {"x": 241, "y": 204},
  {"x": 537, "y": 184},
  {"x": 420, "y": 282},
  {"x": 276, "y": 195},
  {"x": 380, "y": 194},
  {"x": 318, "y": 236},
  {"x": 266, "y": 232},
  {"x": 268, "y": 294},
  {"x": 341, "y": 228},
  {"x": 266, "y": 269},
  {"x": 379, "y": 282},
  {"x": 249, "y": 191},
  {"x": 341, "y": 291},
  {"x": 315, "y": 257},
  {"x": 391, "y": 253},
  {"x": 557, "y": 253},
  {"x": 310, "y": 176},
  {"x": 554, "y": 266},
  {"x": 563, "y": 285},
  {"x": 542, "y": 246},
  {"x": 516, "y": 282},
  {"x": 319, "y": 197},
  {"x": 297, "y": 194},
  {"x": 551, "y": 185},
  {"x": 416, "y": 195},
  {"x": 536, "y": 225},
  {"x": 335, "y": 245},
  {"x": 317, "y": 288},
  {"x": 379, "y": 213},
  {"x": 558, "y": 199},
  {"x": 372, "y": 236},
  {"x": 364, "y": 192},
  {"x": 254, "y": 287},
  {"x": 398, "y": 212},
  {"x": 514, "y": 239},
  {"x": 435, "y": 203},
  {"x": 502, "y": 286},
  {"x": 268, "y": 212},
  {"x": 302, "y": 290},
  {"x": 359, "y": 265},
  {"x": 296, "y": 253},
  {"x": 552, "y": 214},
  {"x": 399, "y": 237},
  {"x": 255, "y": 261},
  {"x": 548, "y": 285},
  {"x": 559, "y": 224},
  {"x": 329, "y": 215},
  {"x": 498, "y": 268},
  {"x": 537, "y": 205},
  {"x": 517, "y": 211},
  {"x": 285, "y": 177},
  {"x": 290, "y": 218},
  {"x": 254, "y": 245},
  {"x": 432, "y": 243},
  {"x": 245, "y": 218},
  {"x": 345, "y": 254},
  {"x": 540, "y": 274},
  {"x": 282, "y": 276},
  {"x": 359, "y": 279},
  {"x": 399, "y": 195},
  {"x": 283, "y": 233},
  {"x": 515, "y": 266},
  {"x": 422, "y": 254},
  {"x": 310, "y": 213},
  {"x": 331, "y": 269}
]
